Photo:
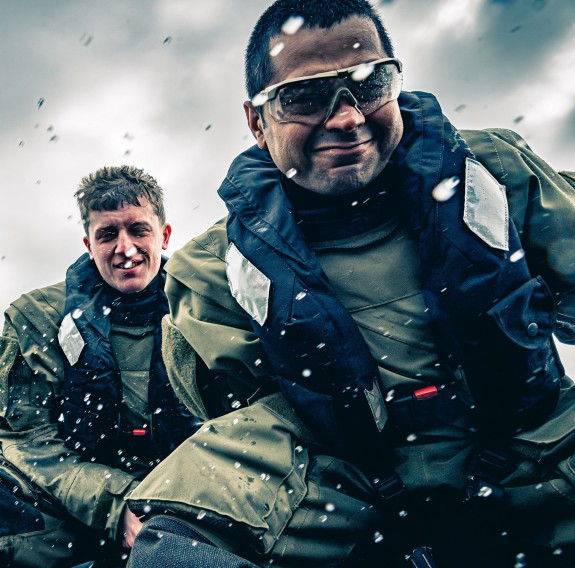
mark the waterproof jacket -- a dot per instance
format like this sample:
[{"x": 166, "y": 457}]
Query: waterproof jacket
[
  {"x": 32, "y": 387},
  {"x": 481, "y": 299}
]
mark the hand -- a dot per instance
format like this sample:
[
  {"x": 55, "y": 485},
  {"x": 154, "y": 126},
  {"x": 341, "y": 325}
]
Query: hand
[{"x": 132, "y": 526}]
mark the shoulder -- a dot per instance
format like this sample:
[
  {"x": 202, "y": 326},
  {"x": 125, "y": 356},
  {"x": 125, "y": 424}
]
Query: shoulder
[
  {"x": 43, "y": 306},
  {"x": 197, "y": 273},
  {"x": 202, "y": 254}
]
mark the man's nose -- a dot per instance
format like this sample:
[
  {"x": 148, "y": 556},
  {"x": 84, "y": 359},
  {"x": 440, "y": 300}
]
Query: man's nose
[
  {"x": 344, "y": 112},
  {"x": 125, "y": 244}
]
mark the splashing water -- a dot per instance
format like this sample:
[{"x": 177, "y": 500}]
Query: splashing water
[
  {"x": 292, "y": 25},
  {"x": 260, "y": 99},
  {"x": 291, "y": 173},
  {"x": 276, "y": 49},
  {"x": 445, "y": 189},
  {"x": 517, "y": 255},
  {"x": 362, "y": 72}
]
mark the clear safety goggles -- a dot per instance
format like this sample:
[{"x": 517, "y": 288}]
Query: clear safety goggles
[{"x": 313, "y": 99}]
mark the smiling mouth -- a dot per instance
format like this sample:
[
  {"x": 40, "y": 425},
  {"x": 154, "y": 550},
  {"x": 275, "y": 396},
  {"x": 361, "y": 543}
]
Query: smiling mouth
[
  {"x": 343, "y": 147},
  {"x": 129, "y": 264}
]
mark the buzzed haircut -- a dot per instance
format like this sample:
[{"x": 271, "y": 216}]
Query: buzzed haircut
[
  {"x": 259, "y": 68},
  {"x": 113, "y": 187}
]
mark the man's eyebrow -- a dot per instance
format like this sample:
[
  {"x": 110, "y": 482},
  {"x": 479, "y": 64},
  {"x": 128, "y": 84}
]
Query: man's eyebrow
[{"x": 106, "y": 229}]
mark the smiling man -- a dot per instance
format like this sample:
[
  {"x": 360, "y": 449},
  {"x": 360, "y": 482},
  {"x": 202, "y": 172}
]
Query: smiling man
[
  {"x": 399, "y": 281},
  {"x": 87, "y": 407}
]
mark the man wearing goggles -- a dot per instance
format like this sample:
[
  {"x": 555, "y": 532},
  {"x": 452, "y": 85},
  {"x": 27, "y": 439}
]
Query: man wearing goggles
[{"x": 383, "y": 332}]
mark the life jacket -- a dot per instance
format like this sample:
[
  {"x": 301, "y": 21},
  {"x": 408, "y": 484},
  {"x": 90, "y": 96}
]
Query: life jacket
[
  {"x": 492, "y": 321},
  {"x": 93, "y": 383}
]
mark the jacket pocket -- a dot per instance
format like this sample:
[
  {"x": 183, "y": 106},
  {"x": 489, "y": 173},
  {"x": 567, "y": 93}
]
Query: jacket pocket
[{"x": 528, "y": 315}]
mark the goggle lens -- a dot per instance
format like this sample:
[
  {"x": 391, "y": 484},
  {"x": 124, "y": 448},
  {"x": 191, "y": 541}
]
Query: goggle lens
[{"x": 308, "y": 100}]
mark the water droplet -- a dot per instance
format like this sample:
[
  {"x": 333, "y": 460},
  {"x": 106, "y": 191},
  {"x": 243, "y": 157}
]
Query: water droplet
[
  {"x": 301, "y": 296},
  {"x": 484, "y": 491},
  {"x": 517, "y": 255},
  {"x": 201, "y": 515},
  {"x": 330, "y": 507},
  {"x": 292, "y": 25},
  {"x": 237, "y": 465},
  {"x": 558, "y": 551},
  {"x": 276, "y": 49},
  {"x": 291, "y": 173},
  {"x": 323, "y": 518},
  {"x": 236, "y": 404},
  {"x": 363, "y": 71},
  {"x": 403, "y": 513},
  {"x": 131, "y": 251},
  {"x": 77, "y": 313},
  {"x": 411, "y": 437},
  {"x": 260, "y": 99},
  {"x": 147, "y": 509},
  {"x": 377, "y": 537},
  {"x": 306, "y": 373},
  {"x": 445, "y": 189},
  {"x": 106, "y": 310}
]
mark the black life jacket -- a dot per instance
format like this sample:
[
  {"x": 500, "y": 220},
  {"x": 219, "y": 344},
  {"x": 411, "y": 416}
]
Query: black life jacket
[
  {"x": 491, "y": 320},
  {"x": 93, "y": 384}
]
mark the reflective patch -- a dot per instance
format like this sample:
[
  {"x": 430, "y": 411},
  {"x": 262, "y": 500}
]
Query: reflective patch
[
  {"x": 70, "y": 339},
  {"x": 250, "y": 287},
  {"x": 486, "y": 212},
  {"x": 377, "y": 405}
]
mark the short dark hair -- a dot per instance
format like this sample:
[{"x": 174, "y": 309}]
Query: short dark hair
[
  {"x": 316, "y": 14},
  {"x": 113, "y": 187}
]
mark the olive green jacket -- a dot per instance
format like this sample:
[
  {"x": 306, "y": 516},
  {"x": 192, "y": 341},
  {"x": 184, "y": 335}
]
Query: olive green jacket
[
  {"x": 258, "y": 466},
  {"x": 31, "y": 379}
]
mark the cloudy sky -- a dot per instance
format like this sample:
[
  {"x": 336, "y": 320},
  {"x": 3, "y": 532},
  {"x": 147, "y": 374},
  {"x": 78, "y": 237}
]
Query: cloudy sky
[{"x": 158, "y": 84}]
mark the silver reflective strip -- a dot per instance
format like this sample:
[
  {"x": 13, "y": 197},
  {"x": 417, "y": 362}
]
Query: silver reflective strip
[
  {"x": 249, "y": 286},
  {"x": 70, "y": 339},
  {"x": 377, "y": 405},
  {"x": 486, "y": 212}
]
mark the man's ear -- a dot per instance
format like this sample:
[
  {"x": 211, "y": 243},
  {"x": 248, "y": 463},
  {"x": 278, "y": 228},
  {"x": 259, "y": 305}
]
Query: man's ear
[
  {"x": 166, "y": 232},
  {"x": 87, "y": 243},
  {"x": 255, "y": 124}
]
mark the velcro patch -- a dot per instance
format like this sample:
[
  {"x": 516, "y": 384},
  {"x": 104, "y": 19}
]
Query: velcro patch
[
  {"x": 486, "y": 212},
  {"x": 249, "y": 286},
  {"x": 70, "y": 339}
]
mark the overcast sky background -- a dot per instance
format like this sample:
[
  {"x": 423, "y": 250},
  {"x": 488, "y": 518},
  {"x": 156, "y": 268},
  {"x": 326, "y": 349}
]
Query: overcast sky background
[{"x": 159, "y": 84}]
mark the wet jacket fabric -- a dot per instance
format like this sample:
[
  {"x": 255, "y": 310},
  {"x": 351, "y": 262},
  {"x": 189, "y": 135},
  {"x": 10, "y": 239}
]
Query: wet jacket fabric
[
  {"x": 74, "y": 494},
  {"x": 459, "y": 287},
  {"x": 257, "y": 481},
  {"x": 91, "y": 424}
]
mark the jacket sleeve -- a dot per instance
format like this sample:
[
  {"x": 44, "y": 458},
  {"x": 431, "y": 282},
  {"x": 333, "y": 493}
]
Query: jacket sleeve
[
  {"x": 30, "y": 382},
  {"x": 542, "y": 206},
  {"x": 203, "y": 314}
]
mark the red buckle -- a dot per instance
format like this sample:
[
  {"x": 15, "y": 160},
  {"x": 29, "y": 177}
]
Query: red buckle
[
  {"x": 425, "y": 392},
  {"x": 139, "y": 432}
]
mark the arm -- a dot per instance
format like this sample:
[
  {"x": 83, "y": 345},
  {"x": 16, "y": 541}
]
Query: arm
[
  {"x": 542, "y": 206},
  {"x": 203, "y": 314},
  {"x": 29, "y": 436}
]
